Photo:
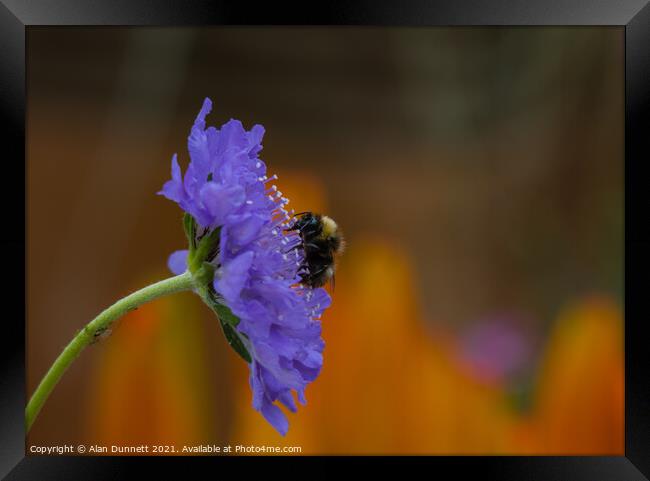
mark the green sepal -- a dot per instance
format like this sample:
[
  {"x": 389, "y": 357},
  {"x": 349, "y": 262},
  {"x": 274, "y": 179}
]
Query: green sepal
[
  {"x": 204, "y": 275},
  {"x": 232, "y": 336},
  {"x": 228, "y": 322},
  {"x": 207, "y": 245},
  {"x": 189, "y": 226},
  {"x": 226, "y": 314}
]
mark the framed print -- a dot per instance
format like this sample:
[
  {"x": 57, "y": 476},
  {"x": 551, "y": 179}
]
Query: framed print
[{"x": 364, "y": 234}]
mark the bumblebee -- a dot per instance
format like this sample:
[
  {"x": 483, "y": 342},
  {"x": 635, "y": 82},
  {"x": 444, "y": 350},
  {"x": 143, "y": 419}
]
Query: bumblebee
[{"x": 322, "y": 242}]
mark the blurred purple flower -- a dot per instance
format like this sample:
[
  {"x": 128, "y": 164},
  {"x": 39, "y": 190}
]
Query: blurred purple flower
[
  {"x": 257, "y": 264},
  {"x": 496, "y": 349}
]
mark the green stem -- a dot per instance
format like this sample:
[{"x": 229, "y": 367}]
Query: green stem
[{"x": 87, "y": 335}]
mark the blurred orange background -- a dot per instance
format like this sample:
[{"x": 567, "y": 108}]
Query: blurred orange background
[{"x": 477, "y": 174}]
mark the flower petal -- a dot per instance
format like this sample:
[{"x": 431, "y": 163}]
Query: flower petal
[
  {"x": 221, "y": 201},
  {"x": 246, "y": 228},
  {"x": 287, "y": 399},
  {"x": 177, "y": 262},
  {"x": 232, "y": 137},
  {"x": 275, "y": 416},
  {"x": 256, "y": 386},
  {"x": 197, "y": 143},
  {"x": 173, "y": 189},
  {"x": 234, "y": 275},
  {"x": 301, "y": 397},
  {"x": 255, "y": 140}
]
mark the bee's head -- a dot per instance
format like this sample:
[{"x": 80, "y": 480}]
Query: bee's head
[{"x": 304, "y": 220}]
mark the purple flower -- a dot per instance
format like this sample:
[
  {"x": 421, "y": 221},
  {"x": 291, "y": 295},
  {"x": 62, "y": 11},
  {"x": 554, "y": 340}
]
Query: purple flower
[
  {"x": 497, "y": 348},
  {"x": 257, "y": 263}
]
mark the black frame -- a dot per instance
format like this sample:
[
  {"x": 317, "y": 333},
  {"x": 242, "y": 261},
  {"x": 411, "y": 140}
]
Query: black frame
[{"x": 634, "y": 15}]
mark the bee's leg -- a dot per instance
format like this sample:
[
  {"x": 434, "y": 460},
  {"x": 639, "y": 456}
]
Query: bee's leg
[
  {"x": 319, "y": 271},
  {"x": 297, "y": 246},
  {"x": 303, "y": 245}
]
